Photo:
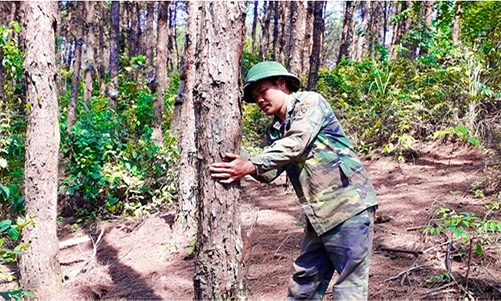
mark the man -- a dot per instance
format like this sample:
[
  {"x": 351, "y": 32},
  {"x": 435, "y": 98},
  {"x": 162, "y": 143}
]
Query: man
[{"x": 306, "y": 140}]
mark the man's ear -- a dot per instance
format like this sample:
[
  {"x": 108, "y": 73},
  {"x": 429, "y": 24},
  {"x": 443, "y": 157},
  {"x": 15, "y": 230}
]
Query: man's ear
[{"x": 282, "y": 83}]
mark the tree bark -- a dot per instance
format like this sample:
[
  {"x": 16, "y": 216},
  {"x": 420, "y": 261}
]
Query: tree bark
[
  {"x": 216, "y": 97},
  {"x": 363, "y": 31},
  {"x": 183, "y": 125},
  {"x": 276, "y": 31},
  {"x": 150, "y": 43},
  {"x": 428, "y": 15},
  {"x": 254, "y": 25},
  {"x": 316, "y": 49},
  {"x": 265, "y": 41},
  {"x": 39, "y": 265},
  {"x": 345, "y": 37},
  {"x": 308, "y": 33},
  {"x": 375, "y": 26},
  {"x": 298, "y": 27},
  {"x": 397, "y": 28},
  {"x": 102, "y": 67},
  {"x": 132, "y": 30},
  {"x": 114, "y": 54},
  {"x": 455, "y": 23},
  {"x": 161, "y": 72},
  {"x": 2, "y": 82},
  {"x": 75, "y": 77},
  {"x": 91, "y": 44}
]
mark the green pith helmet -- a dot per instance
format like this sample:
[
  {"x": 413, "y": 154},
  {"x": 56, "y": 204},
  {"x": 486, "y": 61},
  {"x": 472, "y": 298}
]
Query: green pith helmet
[{"x": 265, "y": 70}]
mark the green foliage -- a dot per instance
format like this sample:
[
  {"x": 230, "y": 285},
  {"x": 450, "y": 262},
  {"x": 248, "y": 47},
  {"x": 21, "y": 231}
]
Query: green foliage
[
  {"x": 17, "y": 295},
  {"x": 113, "y": 165},
  {"x": 13, "y": 65},
  {"x": 10, "y": 249},
  {"x": 465, "y": 226},
  {"x": 459, "y": 132},
  {"x": 440, "y": 278},
  {"x": 11, "y": 163}
]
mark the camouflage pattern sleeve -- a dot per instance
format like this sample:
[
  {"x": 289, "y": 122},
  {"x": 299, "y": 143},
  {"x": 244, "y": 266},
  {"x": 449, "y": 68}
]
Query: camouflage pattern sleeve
[
  {"x": 266, "y": 177},
  {"x": 305, "y": 122}
]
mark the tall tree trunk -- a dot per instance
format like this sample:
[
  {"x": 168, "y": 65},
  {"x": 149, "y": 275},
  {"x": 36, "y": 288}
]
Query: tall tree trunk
[
  {"x": 265, "y": 41},
  {"x": 91, "y": 44},
  {"x": 2, "y": 81},
  {"x": 183, "y": 125},
  {"x": 171, "y": 39},
  {"x": 161, "y": 72},
  {"x": 345, "y": 37},
  {"x": 316, "y": 49},
  {"x": 308, "y": 33},
  {"x": 102, "y": 67},
  {"x": 428, "y": 15},
  {"x": 410, "y": 45},
  {"x": 39, "y": 265},
  {"x": 298, "y": 14},
  {"x": 138, "y": 30},
  {"x": 75, "y": 77},
  {"x": 133, "y": 12},
  {"x": 284, "y": 31},
  {"x": 386, "y": 8},
  {"x": 254, "y": 26},
  {"x": 150, "y": 42},
  {"x": 455, "y": 23},
  {"x": 397, "y": 28},
  {"x": 114, "y": 54},
  {"x": 276, "y": 31},
  {"x": 218, "y": 130},
  {"x": 375, "y": 26},
  {"x": 363, "y": 31}
]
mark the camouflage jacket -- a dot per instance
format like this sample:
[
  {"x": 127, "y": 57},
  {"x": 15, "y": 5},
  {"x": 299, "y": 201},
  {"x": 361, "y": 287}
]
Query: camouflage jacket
[{"x": 327, "y": 175}]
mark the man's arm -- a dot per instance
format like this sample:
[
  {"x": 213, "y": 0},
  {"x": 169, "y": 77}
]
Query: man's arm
[{"x": 234, "y": 170}]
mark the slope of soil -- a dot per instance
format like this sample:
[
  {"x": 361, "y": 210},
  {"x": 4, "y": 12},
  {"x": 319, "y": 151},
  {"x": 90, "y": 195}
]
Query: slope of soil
[{"x": 146, "y": 258}]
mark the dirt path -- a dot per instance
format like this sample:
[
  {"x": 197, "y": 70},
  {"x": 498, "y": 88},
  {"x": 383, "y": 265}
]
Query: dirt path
[{"x": 146, "y": 259}]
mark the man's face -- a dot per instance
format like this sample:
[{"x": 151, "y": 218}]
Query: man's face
[{"x": 269, "y": 96}]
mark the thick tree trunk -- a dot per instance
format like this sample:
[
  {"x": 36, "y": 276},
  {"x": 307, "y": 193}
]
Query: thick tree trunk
[
  {"x": 254, "y": 25},
  {"x": 364, "y": 29},
  {"x": 150, "y": 42},
  {"x": 308, "y": 33},
  {"x": 161, "y": 72},
  {"x": 75, "y": 77},
  {"x": 284, "y": 31},
  {"x": 102, "y": 67},
  {"x": 455, "y": 23},
  {"x": 411, "y": 46},
  {"x": 316, "y": 49},
  {"x": 91, "y": 44},
  {"x": 265, "y": 41},
  {"x": 114, "y": 54},
  {"x": 216, "y": 96},
  {"x": 345, "y": 37},
  {"x": 172, "y": 47},
  {"x": 39, "y": 265},
  {"x": 183, "y": 125},
  {"x": 132, "y": 30},
  {"x": 428, "y": 15},
  {"x": 397, "y": 28},
  {"x": 375, "y": 26},
  {"x": 298, "y": 27},
  {"x": 276, "y": 31}
]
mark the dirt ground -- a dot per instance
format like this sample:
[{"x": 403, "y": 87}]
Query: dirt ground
[{"x": 146, "y": 259}]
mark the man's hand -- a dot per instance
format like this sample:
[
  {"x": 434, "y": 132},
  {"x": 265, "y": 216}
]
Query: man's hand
[{"x": 233, "y": 170}]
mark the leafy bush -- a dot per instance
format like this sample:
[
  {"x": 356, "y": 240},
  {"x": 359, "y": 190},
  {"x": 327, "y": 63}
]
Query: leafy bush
[{"x": 111, "y": 163}]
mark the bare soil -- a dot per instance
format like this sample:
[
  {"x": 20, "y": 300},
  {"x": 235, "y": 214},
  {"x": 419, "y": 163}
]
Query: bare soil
[{"x": 147, "y": 258}]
